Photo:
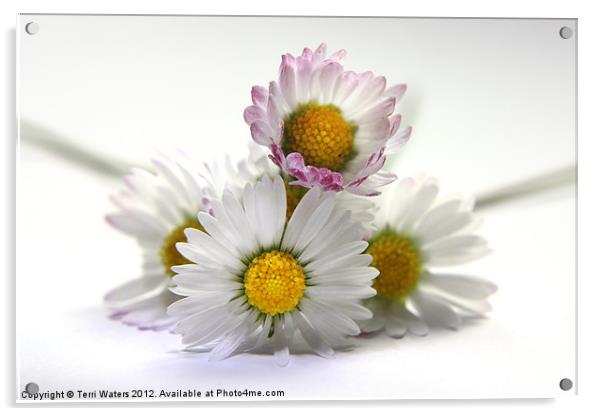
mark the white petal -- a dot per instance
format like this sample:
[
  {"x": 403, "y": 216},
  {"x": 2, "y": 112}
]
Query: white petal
[
  {"x": 327, "y": 313},
  {"x": 352, "y": 309},
  {"x": 140, "y": 224},
  {"x": 414, "y": 324},
  {"x": 379, "y": 312},
  {"x": 315, "y": 223},
  {"x": 311, "y": 336},
  {"x": 396, "y": 204},
  {"x": 194, "y": 326},
  {"x": 232, "y": 341},
  {"x": 201, "y": 255},
  {"x": 455, "y": 256},
  {"x": 206, "y": 282},
  {"x": 330, "y": 236},
  {"x": 437, "y": 215},
  {"x": 447, "y": 226},
  {"x": 330, "y": 328},
  {"x": 347, "y": 249},
  {"x": 347, "y": 275},
  {"x": 281, "y": 350},
  {"x": 434, "y": 311},
  {"x": 203, "y": 332},
  {"x": 421, "y": 202},
  {"x": 455, "y": 244},
  {"x": 300, "y": 216},
  {"x": 208, "y": 246},
  {"x": 395, "y": 327},
  {"x": 323, "y": 293},
  {"x": 326, "y": 264},
  {"x": 462, "y": 286},
  {"x": 197, "y": 303},
  {"x": 138, "y": 289},
  {"x": 170, "y": 172},
  {"x": 262, "y": 337},
  {"x": 270, "y": 210},
  {"x": 246, "y": 238}
]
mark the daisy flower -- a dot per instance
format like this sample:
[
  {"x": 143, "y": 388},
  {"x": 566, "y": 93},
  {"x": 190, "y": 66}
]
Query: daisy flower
[
  {"x": 326, "y": 126},
  {"x": 257, "y": 282},
  {"x": 413, "y": 236},
  {"x": 155, "y": 208}
]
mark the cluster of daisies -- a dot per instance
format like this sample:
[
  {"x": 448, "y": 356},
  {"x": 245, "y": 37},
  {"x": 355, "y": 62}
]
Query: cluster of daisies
[{"x": 305, "y": 243}]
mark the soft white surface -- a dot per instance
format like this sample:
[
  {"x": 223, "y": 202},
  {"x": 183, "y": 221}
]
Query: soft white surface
[{"x": 491, "y": 102}]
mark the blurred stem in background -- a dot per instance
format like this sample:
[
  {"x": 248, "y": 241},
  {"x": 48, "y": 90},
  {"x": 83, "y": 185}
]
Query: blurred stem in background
[
  {"x": 46, "y": 139},
  {"x": 66, "y": 148},
  {"x": 549, "y": 180}
]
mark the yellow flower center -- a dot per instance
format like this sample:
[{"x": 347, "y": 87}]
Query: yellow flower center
[
  {"x": 294, "y": 194},
  {"x": 321, "y": 135},
  {"x": 399, "y": 263},
  {"x": 168, "y": 252},
  {"x": 274, "y": 282}
]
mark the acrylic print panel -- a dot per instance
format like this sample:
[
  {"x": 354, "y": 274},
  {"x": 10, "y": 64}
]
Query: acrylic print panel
[{"x": 491, "y": 103}]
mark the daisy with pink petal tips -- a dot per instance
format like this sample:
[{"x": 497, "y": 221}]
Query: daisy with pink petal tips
[{"x": 326, "y": 126}]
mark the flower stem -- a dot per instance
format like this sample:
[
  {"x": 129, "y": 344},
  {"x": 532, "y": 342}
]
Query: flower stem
[
  {"x": 556, "y": 178},
  {"x": 53, "y": 142}
]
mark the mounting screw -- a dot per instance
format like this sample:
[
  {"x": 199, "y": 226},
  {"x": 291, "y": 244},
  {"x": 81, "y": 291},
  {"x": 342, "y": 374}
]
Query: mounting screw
[
  {"x": 566, "y": 32},
  {"x": 32, "y": 388},
  {"x": 32, "y": 28},
  {"x": 566, "y": 384}
]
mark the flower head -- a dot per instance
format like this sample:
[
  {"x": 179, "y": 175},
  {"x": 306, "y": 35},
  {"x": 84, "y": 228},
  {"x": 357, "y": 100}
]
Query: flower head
[
  {"x": 328, "y": 127},
  {"x": 412, "y": 236},
  {"x": 258, "y": 281},
  {"x": 155, "y": 207}
]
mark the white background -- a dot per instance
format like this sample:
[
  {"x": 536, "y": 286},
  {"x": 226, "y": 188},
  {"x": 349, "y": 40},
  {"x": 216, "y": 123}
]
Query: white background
[
  {"x": 584, "y": 369},
  {"x": 484, "y": 113}
]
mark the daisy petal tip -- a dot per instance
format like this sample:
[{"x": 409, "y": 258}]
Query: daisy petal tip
[
  {"x": 259, "y": 95},
  {"x": 396, "y": 333},
  {"x": 420, "y": 330},
  {"x": 492, "y": 288},
  {"x": 454, "y": 323},
  {"x": 282, "y": 360}
]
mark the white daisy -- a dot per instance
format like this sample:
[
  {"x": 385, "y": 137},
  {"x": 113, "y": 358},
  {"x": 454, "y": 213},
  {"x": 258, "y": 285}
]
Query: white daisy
[
  {"x": 258, "y": 282},
  {"x": 155, "y": 208},
  {"x": 326, "y": 126},
  {"x": 413, "y": 236}
]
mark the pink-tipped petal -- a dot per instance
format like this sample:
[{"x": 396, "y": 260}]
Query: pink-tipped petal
[
  {"x": 396, "y": 91},
  {"x": 259, "y": 96},
  {"x": 252, "y": 114},
  {"x": 260, "y": 133},
  {"x": 288, "y": 85},
  {"x": 338, "y": 56},
  {"x": 394, "y": 123}
]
